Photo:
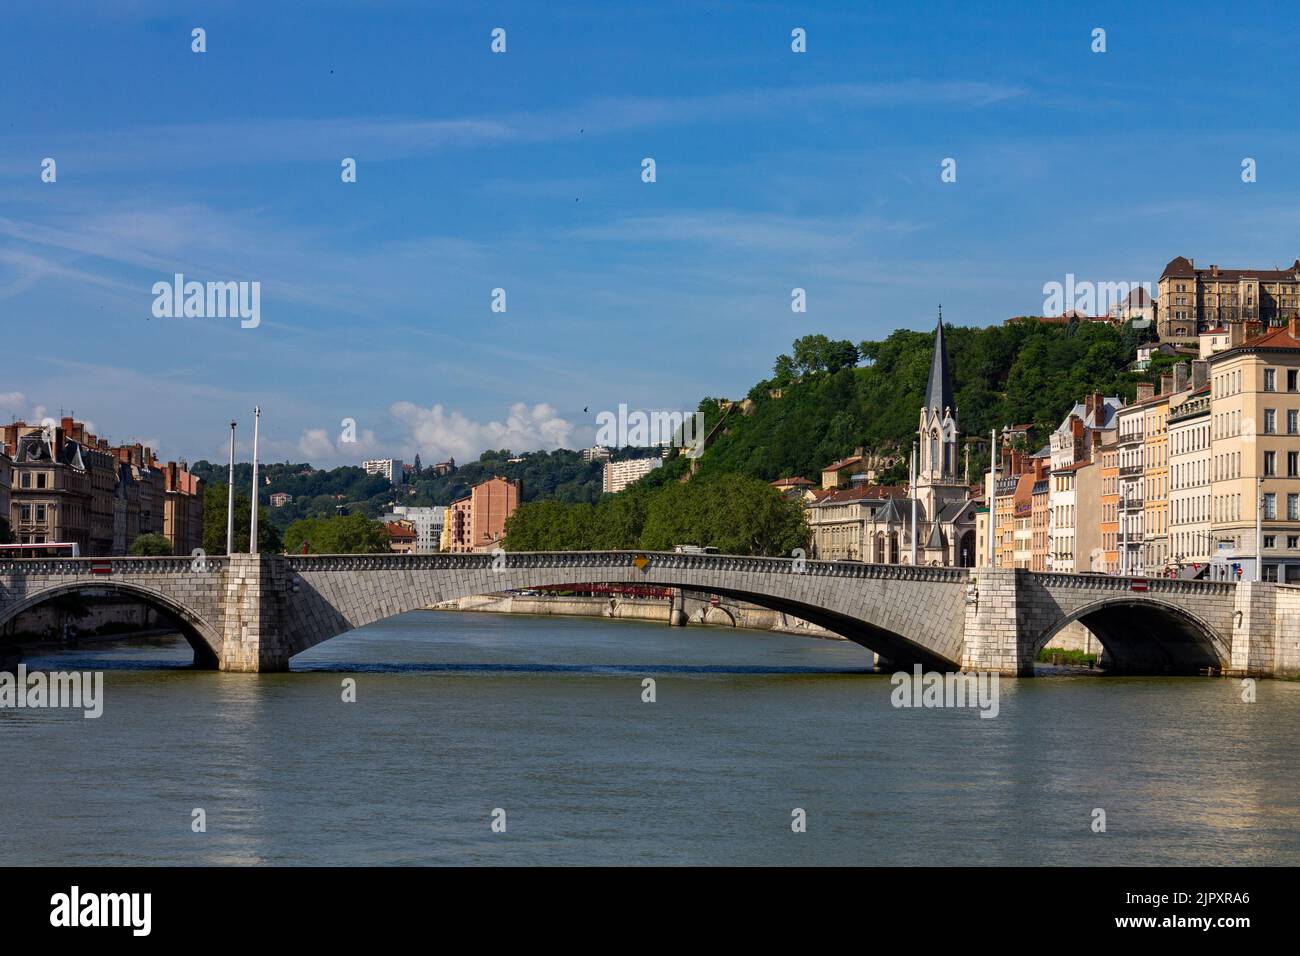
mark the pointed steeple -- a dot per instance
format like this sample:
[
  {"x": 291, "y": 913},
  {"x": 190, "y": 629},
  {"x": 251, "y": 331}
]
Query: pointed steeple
[{"x": 938, "y": 394}]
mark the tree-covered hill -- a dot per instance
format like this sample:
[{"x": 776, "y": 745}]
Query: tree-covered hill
[{"x": 1023, "y": 373}]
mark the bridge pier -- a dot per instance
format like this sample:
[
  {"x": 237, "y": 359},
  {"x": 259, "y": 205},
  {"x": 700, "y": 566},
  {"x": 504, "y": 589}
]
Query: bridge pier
[
  {"x": 993, "y": 635},
  {"x": 254, "y": 638}
]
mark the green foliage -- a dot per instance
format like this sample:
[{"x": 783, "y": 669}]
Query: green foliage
[
  {"x": 152, "y": 546},
  {"x": 321, "y": 493},
  {"x": 1020, "y": 373},
  {"x": 214, "y": 524},
  {"x": 339, "y": 534},
  {"x": 735, "y": 514}
]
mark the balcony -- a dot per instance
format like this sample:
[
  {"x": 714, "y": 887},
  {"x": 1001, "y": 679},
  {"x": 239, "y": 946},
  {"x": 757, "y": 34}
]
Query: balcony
[{"x": 1129, "y": 471}]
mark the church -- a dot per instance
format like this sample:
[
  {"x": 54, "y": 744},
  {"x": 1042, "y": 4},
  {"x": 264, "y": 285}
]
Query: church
[{"x": 940, "y": 494}]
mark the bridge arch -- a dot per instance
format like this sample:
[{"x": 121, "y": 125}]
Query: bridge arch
[
  {"x": 907, "y": 615},
  {"x": 202, "y": 635},
  {"x": 1146, "y": 635}
]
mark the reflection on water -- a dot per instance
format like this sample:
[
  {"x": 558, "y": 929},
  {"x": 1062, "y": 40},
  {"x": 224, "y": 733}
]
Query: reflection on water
[{"x": 457, "y": 714}]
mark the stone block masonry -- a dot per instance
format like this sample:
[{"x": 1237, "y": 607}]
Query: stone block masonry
[{"x": 251, "y": 613}]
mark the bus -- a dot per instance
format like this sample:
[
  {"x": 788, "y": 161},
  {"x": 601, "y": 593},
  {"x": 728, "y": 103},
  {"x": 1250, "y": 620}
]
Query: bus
[{"x": 51, "y": 550}]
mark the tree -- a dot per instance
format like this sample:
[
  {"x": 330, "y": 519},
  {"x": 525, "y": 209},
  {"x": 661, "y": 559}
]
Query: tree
[
  {"x": 340, "y": 534},
  {"x": 214, "y": 524},
  {"x": 151, "y": 546}
]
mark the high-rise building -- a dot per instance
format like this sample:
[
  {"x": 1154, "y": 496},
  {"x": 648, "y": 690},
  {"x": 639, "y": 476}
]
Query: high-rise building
[
  {"x": 619, "y": 474},
  {"x": 390, "y": 468}
]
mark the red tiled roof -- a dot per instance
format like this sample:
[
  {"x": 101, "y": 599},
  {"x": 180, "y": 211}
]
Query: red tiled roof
[
  {"x": 844, "y": 463},
  {"x": 866, "y": 492},
  {"x": 795, "y": 482}
]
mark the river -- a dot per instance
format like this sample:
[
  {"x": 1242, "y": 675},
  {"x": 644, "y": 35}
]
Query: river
[{"x": 459, "y": 714}]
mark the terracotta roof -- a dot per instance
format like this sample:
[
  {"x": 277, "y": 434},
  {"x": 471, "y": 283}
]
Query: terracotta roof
[
  {"x": 843, "y": 463},
  {"x": 790, "y": 482},
  {"x": 863, "y": 492},
  {"x": 1075, "y": 467},
  {"x": 1280, "y": 337}
]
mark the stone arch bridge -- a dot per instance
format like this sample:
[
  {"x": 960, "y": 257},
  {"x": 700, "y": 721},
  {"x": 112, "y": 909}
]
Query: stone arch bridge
[{"x": 255, "y": 612}]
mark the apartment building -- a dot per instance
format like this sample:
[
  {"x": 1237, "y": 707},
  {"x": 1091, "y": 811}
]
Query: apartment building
[
  {"x": 1189, "y": 480},
  {"x": 1040, "y": 522},
  {"x": 1108, "y": 506},
  {"x": 70, "y": 487},
  {"x": 6, "y": 481},
  {"x": 390, "y": 468},
  {"x": 1255, "y": 456},
  {"x": 477, "y": 522},
  {"x": 1155, "y": 477},
  {"x": 1130, "y": 446},
  {"x": 428, "y": 523},
  {"x": 619, "y": 474}
]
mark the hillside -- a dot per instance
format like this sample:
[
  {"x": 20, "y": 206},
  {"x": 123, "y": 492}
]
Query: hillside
[{"x": 1025, "y": 372}]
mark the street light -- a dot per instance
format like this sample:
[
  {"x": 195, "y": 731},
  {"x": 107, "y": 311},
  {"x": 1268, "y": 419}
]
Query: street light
[
  {"x": 1259, "y": 530},
  {"x": 230, "y": 497}
]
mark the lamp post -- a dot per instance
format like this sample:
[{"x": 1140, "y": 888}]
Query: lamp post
[
  {"x": 1259, "y": 530},
  {"x": 913, "y": 490},
  {"x": 230, "y": 497},
  {"x": 252, "y": 531},
  {"x": 1123, "y": 530},
  {"x": 993, "y": 497}
]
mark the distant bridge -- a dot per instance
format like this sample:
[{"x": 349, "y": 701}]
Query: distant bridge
[{"x": 255, "y": 612}]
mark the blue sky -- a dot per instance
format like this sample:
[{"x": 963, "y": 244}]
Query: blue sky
[{"x": 522, "y": 171}]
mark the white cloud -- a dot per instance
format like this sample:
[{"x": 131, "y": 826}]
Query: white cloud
[
  {"x": 317, "y": 446},
  {"x": 436, "y": 433}
]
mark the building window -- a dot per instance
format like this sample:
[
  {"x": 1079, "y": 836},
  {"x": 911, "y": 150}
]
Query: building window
[
  {"x": 1291, "y": 382},
  {"x": 24, "y": 513},
  {"x": 1270, "y": 541},
  {"x": 1270, "y": 463},
  {"x": 1293, "y": 541},
  {"x": 1293, "y": 422},
  {"x": 27, "y": 479},
  {"x": 1293, "y": 507},
  {"x": 1270, "y": 421},
  {"x": 1270, "y": 506},
  {"x": 1270, "y": 380},
  {"x": 1293, "y": 464}
]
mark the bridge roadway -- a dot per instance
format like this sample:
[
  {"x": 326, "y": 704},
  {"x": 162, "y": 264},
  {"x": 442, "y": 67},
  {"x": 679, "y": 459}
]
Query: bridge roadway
[{"x": 255, "y": 612}]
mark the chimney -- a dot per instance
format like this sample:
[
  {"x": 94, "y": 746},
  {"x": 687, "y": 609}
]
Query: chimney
[
  {"x": 1145, "y": 390},
  {"x": 1200, "y": 372},
  {"x": 1166, "y": 383},
  {"x": 1181, "y": 374},
  {"x": 67, "y": 424},
  {"x": 1236, "y": 333},
  {"x": 1293, "y": 326},
  {"x": 1214, "y": 270}
]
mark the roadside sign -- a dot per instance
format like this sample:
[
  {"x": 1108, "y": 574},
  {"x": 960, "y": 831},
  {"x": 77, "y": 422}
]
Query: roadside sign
[
  {"x": 101, "y": 567},
  {"x": 1139, "y": 584},
  {"x": 641, "y": 562}
]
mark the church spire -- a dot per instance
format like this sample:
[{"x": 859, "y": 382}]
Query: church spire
[{"x": 938, "y": 394}]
